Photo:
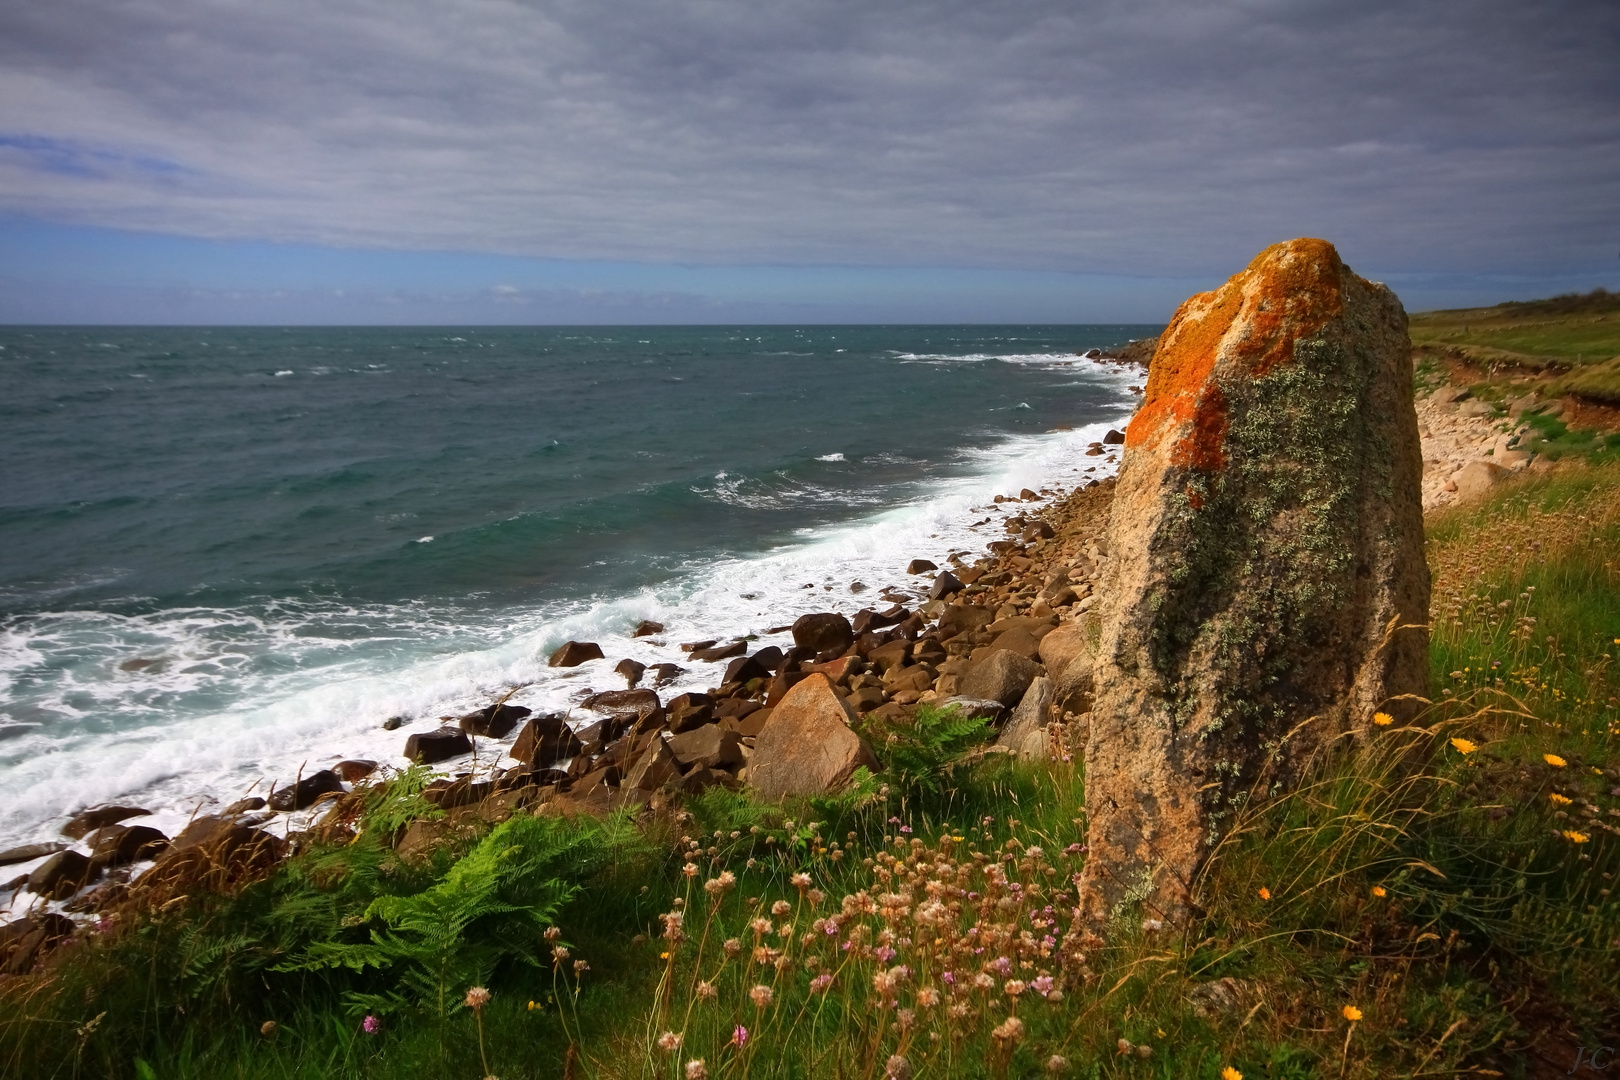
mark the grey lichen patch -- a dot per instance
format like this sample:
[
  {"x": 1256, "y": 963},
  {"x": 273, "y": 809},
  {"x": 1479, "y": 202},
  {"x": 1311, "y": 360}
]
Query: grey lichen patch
[{"x": 1263, "y": 551}]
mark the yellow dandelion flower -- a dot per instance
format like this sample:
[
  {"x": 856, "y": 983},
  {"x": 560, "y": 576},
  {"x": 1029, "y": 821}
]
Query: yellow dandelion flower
[
  {"x": 1265, "y": 893},
  {"x": 1463, "y": 746},
  {"x": 1575, "y": 837},
  {"x": 1230, "y": 1073},
  {"x": 1379, "y": 891},
  {"x": 1559, "y": 800},
  {"x": 1554, "y": 760},
  {"x": 1383, "y": 719},
  {"x": 1351, "y": 1013}
]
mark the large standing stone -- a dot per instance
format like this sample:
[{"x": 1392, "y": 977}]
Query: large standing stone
[
  {"x": 1267, "y": 588},
  {"x": 807, "y": 747}
]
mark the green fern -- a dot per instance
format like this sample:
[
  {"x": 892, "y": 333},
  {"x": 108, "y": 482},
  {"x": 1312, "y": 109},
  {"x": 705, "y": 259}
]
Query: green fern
[
  {"x": 921, "y": 755},
  {"x": 493, "y": 904}
]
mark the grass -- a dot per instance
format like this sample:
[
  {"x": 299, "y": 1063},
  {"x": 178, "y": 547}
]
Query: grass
[
  {"x": 1446, "y": 882},
  {"x": 1562, "y": 332}
]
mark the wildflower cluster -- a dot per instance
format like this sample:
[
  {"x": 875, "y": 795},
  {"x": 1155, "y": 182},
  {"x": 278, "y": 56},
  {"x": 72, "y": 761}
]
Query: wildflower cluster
[{"x": 934, "y": 953}]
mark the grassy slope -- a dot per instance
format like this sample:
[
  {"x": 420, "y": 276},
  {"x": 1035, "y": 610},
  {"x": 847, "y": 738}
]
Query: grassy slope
[
  {"x": 1575, "y": 330},
  {"x": 1449, "y": 896}
]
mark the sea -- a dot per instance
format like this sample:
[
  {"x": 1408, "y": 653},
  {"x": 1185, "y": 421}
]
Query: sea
[{"x": 228, "y": 555}]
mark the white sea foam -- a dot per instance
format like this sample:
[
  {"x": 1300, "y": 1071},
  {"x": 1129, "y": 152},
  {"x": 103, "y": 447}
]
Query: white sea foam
[
  {"x": 211, "y": 703},
  {"x": 831, "y": 457}
]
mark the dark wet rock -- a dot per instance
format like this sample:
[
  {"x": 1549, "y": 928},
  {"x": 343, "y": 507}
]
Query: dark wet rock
[
  {"x": 431, "y": 747},
  {"x": 946, "y": 584},
  {"x": 866, "y": 620},
  {"x": 575, "y": 653},
  {"x": 494, "y": 721},
  {"x": 911, "y": 626},
  {"x": 823, "y": 632},
  {"x": 62, "y": 875},
  {"x": 744, "y": 668},
  {"x": 627, "y": 705},
  {"x": 546, "y": 740},
  {"x": 770, "y": 658},
  {"x": 647, "y": 628},
  {"x": 117, "y": 845},
  {"x": 306, "y": 791},
  {"x": 1114, "y": 438},
  {"x": 720, "y": 652},
  {"x": 1037, "y": 530},
  {"x": 1002, "y": 676},
  {"x": 393, "y": 723},
  {"x": 30, "y": 852},
  {"x": 921, "y": 566},
  {"x": 244, "y": 806},
  {"x": 631, "y": 670},
  {"x": 88, "y": 821},
  {"x": 24, "y": 941},
  {"x": 664, "y": 674},
  {"x": 354, "y": 770}
]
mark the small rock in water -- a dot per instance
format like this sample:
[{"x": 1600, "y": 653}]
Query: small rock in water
[
  {"x": 62, "y": 875},
  {"x": 946, "y": 584},
  {"x": 631, "y": 670},
  {"x": 647, "y": 628},
  {"x": 30, "y": 852},
  {"x": 393, "y": 723},
  {"x": 431, "y": 747},
  {"x": 575, "y": 653},
  {"x": 354, "y": 770},
  {"x": 666, "y": 673},
  {"x": 89, "y": 821},
  {"x": 921, "y": 566},
  {"x": 1114, "y": 438},
  {"x": 306, "y": 791},
  {"x": 493, "y": 722}
]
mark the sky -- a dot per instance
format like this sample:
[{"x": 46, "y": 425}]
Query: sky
[{"x": 724, "y": 161}]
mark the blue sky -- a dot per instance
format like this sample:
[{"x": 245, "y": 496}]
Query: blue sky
[{"x": 488, "y": 161}]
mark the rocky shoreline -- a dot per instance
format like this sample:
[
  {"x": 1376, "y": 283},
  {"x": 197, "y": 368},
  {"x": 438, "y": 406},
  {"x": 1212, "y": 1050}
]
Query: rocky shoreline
[
  {"x": 1005, "y": 634},
  {"x": 996, "y": 634}
]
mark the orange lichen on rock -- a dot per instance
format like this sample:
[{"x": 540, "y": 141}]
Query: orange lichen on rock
[{"x": 1248, "y": 326}]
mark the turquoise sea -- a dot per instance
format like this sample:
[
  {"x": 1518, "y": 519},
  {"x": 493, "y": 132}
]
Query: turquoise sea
[{"x": 229, "y": 553}]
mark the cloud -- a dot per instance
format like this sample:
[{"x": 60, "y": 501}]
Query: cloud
[{"x": 1150, "y": 138}]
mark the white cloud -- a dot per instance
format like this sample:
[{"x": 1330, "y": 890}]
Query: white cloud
[{"x": 1149, "y": 137}]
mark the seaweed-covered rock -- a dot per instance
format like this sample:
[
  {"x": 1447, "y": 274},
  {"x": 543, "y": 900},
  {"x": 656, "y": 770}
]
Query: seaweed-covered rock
[{"x": 1267, "y": 564}]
